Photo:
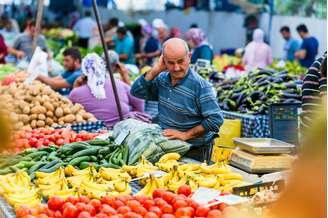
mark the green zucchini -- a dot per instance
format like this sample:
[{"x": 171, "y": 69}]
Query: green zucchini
[
  {"x": 78, "y": 160},
  {"x": 86, "y": 152},
  {"x": 35, "y": 167},
  {"x": 52, "y": 169}
]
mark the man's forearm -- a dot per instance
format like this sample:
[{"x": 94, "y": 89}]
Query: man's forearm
[
  {"x": 56, "y": 83},
  {"x": 195, "y": 132}
]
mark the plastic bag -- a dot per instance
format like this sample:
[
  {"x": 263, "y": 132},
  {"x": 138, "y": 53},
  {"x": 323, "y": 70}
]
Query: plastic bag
[
  {"x": 229, "y": 130},
  {"x": 38, "y": 65}
]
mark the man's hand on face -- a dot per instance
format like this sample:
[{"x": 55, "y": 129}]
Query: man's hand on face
[
  {"x": 157, "y": 69},
  {"x": 175, "y": 134}
]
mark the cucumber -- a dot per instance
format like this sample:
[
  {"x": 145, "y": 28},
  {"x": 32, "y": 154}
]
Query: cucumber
[
  {"x": 93, "y": 159},
  {"x": 51, "y": 169},
  {"x": 78, "y": 160},
  {"x": 125, "y": 153},
  {"x": 36, "y": 166},
  {"x": 104, "y": 151},
  {"x": 109, "y": 165},
  {"x": 49, "y": 165},
  {"x": 98, "y": 142},
  {"x": 86, "y": 152},
  {"x": 84, "y": 165},
  {"x": 47, "y": 149},
  {"x": 5, "y": 171},
  {"x": 75, "y": 146},
  {"x": 52, "y": 156},
  {"x": 29, "y": 151},
  {"x": 35, "y": 155}
]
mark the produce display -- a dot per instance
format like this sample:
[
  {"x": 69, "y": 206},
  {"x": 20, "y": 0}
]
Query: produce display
[
  {"x": 161, "y": 204},
  {"x": 37, "y": 138},
  {"x": 252, "y": 94},
  {"x": 290, "y": 66},
  {"x": 217, "y": 176},
  {"x": 222, "y": 61},
  {"x": 59, "y": 33},
  {"x": 6, "y": 69},
  {"x": 100, "y": 153},
  {"x": 37, "y": 105}
]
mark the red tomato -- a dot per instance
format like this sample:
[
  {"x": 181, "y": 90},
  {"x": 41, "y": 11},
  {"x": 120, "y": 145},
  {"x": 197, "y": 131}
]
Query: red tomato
[
  {"x": 158, "y": 193},
  {"x": 55, "y": 203},
  {"x": 84, "y": 199},
  {"x": 90, "y": 209},
  {"x": 33, "y": 141},
  {"x": 58, "y": 214},
  {"x": 214, "y": 207},
  {"x": 105, "y": 208},
  {"x": 222, "y": 206},
  {"x": 156, "y": 210},
  {"x": 60, "y": 141},
  {"x": 140, "y": 210},
  {"x": 70, "y": 212},
  {"x": 84, "y": 214},
  {"x": 22, "y": 211},
  {"x": 116, "y": 216},
  {"x": 117, "y": 204},
  {"x": 133, "y": 204},
  {"x": 185, "y": 211},
  {"x": 50, "y": 213},
  {"x": 107, "y": 200},
  {"x": 72, "y": 199},
  {"x": 141, "y": 198},
  {"x": 29, "y": 216},
  {"x": 124, "y": 198},
  {"x": 148, "y": 204},
  {"x": 132, "y": 215},
  {"x": 95, "y": 203},
  {"x": 202, "y": 211},
  {"x": 46, "y": 142},
  {"x": 180, "y": 204},
  {"x": 178, "y": 197},
  {"x": 168, "y": 216},
  {"x": 167, "y": 208},
  {"x": 214, "y": 214},
  {"x": 80, "y": 206},
  {"x": 160, "y": 202},
  {"x": 185, "y": 190},
  {"x": 42, "y": 215},
  {"x": 150, "y": 215},
  {"x": 101, "y": 215},
  {"x": 194, "y": 205},
  {"x": 168, "y": 197},
  {"x": 123, "y": 210}
]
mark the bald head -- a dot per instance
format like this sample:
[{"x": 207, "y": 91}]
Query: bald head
[{"x": 175, "y": 46}]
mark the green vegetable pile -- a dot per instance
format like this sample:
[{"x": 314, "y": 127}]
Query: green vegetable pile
[
  {"x": 290, "y": 66},
  {"x": 6, "y": 69},
  {"x": 99, "y": 153},
  {"x": 253, "y": 93}
]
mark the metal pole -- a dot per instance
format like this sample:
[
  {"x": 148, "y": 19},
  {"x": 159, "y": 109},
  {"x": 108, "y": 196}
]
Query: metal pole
[
  {"x": 101, "y": 33},
  {"x": 37, "y": 24}
]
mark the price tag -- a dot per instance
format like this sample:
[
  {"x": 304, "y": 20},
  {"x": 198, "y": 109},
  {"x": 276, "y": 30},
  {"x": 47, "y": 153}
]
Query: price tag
[
  {"x": 231, "y": 199},
  {"x": 204, "y": 195},
  {"x": 121, "y": 137}
]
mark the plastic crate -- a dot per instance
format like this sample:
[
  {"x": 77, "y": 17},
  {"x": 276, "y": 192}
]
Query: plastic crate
[{"x": 284, "y": 122}]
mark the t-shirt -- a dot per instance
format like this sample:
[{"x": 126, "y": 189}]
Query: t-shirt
[
  {"x": 311, "y": 46},
  {"x": 84, "y": 27},
  {"x": 202, "y": 52},
  {"x": 70, "y": 78},
  {"x": 291, "y": 46},
  {"x": 105, "y": 109},
  {"x": 152, "y": 45},
  {"x": 24, "y": 43},
  {"x": 125, "y": 46}
]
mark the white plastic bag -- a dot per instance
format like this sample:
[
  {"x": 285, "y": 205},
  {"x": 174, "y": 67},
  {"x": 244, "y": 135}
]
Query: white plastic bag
[{"x": 38, "y": 65}]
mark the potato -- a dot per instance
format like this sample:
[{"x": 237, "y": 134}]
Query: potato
[
  {"x": 61, "y": 122},
  {"x": 40, "y": 123},
  {"x": 26, "y": 109},
  {"x": 69, "y": 118},
  {"x": 41, "y": 117},
  {"x": 59, "y": 112},
  {"x": 49, "y": 121},
  {"x": 24, "y": 118},
  {"x": 75, "y": 108},
  {"x": 78, "y": 118},
  {"x": 67, "y": 110},
  {"x": 33, "y": 124},
  {"x": 87, "y": 116},
  {"x": 13, "y": 117},
  {"x": 38, "y": 110},
  {"x": 55, "y": 104},
  {"x": 19, "y": 125},
  {"x": 92, "y": 119},
  {"x": 49, "y": 114},
  {"x": 33, "y": 116},
  {"x": 48, "y": 106},
  {"x": 61, "y": 119}
]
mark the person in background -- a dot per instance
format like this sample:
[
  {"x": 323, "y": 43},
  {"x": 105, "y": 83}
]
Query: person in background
[
  {"x": 10, "y": 25},
  {"x": 118, "y": 67},
  {"x": 94, "y": 91},
  {"x": 124, "y": 46},
  {"x": 84, "y": 28},
  {"x": 72, "y": 64},
  {"x": 22, "y": 46},
  {"x": 162, "y": 30},
  {"x": 291, "y": 44},
  {"x": 309, "y": 47},
  {"x": 188, "y": 109},
  {"x": 112, "y": 28},
  {"x": 193, "y": 25},
  {"x": 197, "y": 41},
  {"x": 257, "y": 54},
  {"x": 175, "y": 32},
  {"x": 3, "y": 50},
  {"x": 151, "y": 47},
  {"x": 314, "y": 90}
]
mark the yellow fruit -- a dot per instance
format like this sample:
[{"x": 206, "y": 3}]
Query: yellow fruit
[{"x": 170, "y": 156}]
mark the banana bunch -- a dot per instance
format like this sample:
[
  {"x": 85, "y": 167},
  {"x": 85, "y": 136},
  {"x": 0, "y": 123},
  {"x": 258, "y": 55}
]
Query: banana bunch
[
  {"x": 18, "y": 190},
  {"x": 216, "y": 168},
  {"x": 226, "y": 182},
  {"x": 174, "y": 179},
  {"x": 168, "y": 161},
  {"x": 152, "y": 184},
  {"x": 111, "y": 174},
  {"x": 95, "y": 190},
  {"x": 144, "y": 166}
]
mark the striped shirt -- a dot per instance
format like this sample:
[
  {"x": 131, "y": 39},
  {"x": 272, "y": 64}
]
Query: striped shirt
[
  {"x": 314, "y": 86},
  {"x": 191, "y": 102}
]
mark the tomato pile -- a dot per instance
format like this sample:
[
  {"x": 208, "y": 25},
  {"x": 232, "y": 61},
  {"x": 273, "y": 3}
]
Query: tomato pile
[
  {"x": 163, "y": 204},
  {"x": 43, "y": 137}
]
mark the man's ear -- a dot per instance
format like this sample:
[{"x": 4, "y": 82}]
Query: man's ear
[{"x": 189, "y": 54}]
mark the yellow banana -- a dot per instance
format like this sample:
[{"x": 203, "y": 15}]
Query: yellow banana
[
  {"x": 170, "y": 156},
  {"x": 231, "y": 176}
]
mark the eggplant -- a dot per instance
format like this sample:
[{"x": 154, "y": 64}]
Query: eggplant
[
  {"x": 291, "y": 100},
  {"x": 263, "y": 83},
  {"x": 290, "y": 95},
  {"x": 290, "y": 85},
  {"x": 256, "y": 95},
  {"x": 278, "y": 80}
]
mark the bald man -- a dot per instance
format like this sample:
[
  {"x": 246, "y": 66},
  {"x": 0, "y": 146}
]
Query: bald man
[{"x": 188, "y": 109}]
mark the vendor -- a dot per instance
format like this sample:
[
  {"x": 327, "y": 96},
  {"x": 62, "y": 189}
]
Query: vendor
[
  {"x": 188, "y": 109},
  {"x": 72, "y": 64},
  {"x": 94, "y": 91}
]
